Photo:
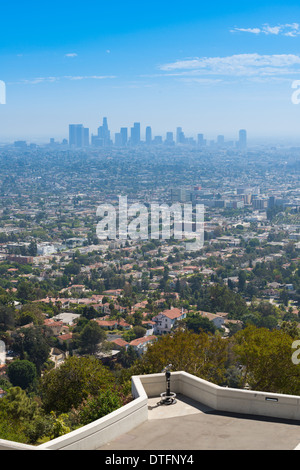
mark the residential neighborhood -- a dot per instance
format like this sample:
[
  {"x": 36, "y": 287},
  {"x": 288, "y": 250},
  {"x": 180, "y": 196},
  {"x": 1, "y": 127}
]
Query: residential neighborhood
[{"x": 67, "y": 295}]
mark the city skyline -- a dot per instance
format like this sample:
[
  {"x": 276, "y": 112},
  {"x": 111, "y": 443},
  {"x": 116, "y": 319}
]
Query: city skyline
[
  {"x": 131, "y": 136},
  {"x": 217, "y": 68}
]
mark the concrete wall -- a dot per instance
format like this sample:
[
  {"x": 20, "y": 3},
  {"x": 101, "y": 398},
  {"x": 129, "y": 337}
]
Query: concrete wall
[
  {"x": 99, "y": 432},
  {"x": 10, "y": 445},
  {"x": 155, "y": 384},
  {"x": 225, "y": 399},
  {"x": 135, "y": 413},
  {"x": 103, "y": 430}
]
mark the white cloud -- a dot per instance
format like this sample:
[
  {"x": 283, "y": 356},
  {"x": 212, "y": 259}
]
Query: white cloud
[
  {"x": 201, "y": 81},
  {"x": 247, "y": 30},
  {"x": 242, "y": 65},
  {"x": 288, "y": 29},
  {"x": 91, "y": 77},
  {"x": 34, "y": 81},
  {"x": 37, "y": 80},
  {"x": 71, "y": 54}
]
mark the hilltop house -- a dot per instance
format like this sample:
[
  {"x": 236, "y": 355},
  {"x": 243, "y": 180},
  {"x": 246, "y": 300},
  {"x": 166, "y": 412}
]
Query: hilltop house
[
  {"x": 54, "y": 327},
  {"x": 166, "y": 320},
  {"x": 140, "y": 345},
  {"x": 113, "y": 324},
  {"x": 217, "y": 319}
]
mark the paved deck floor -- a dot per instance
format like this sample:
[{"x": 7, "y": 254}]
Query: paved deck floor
[{"x": 189, "y": 425}]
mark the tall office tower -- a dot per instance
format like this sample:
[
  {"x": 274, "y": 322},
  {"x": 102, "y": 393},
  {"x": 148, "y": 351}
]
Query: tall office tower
[
  {"x": 200, "y": 140},
  {"x": 76, "y": 135},
  {"x": 157, "y": 140},
  {"x": 104, "y": 124},
  {"x": 124, "y": 136},
  {"x": 169, "y": 138},
  {"x": 86, "y": 137},
  {"x": 72, "y": 135},
  {"x": 103, "y": 137},
  {"x": 180, "y": 195},
  {"x": 178, "y": 132},
  {"x": 180, "y": 139},
  {"x": 135, "y": 136},
  {"x": 271, "y": 202},
  {"x": 242, "y": 143},
  {"x": 137, "y": 128},
  {"x": 21, "y": 144},
  {"x": 148, "y": 135},
  {"x": 220, "y": 140},
  {"x": 118, "y": 139},
  {"x": 132, "y": 136}
]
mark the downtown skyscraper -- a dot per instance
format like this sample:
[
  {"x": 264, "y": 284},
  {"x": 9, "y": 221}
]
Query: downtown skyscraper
[
  {"x": 78, "y": 136},
  {"x": 135, "y": 135},
  {"x": 242, "y": 143}
]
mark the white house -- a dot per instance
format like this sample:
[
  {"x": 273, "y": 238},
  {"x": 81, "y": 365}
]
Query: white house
[
  {"x": 218, "y": 320},
  {"x": 140, "y": 345},
  {"x": 165, "y": 321},
  {"x": 45, "y": 249}
]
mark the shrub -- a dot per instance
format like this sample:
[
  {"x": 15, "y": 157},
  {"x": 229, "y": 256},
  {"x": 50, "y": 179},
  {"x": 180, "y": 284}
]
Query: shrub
[{"x": 96, "y": 407}]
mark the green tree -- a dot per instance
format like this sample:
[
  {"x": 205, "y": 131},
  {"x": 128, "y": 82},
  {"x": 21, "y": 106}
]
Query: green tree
[
  {"x": 72, "y": 268},
  {"x": 7, "y": 317},
  {"x": 127, "y": 357},
  {"x": 89, "y": 312},
  {"x": 78, "y": 377},
  {"x": 266, "y": 358},
  {"x": 31, "y": 344},
  {"x": 30, "y": 313},
  {"x": 291, "y": 328},
  {"x": 139, "y": 331},
  {"x": 32, "y": 248},
  {"x": 196, "y": 323},
  {"x": 129, "y": 335},
  {"x": 17, "y": 412},
  {"x": 242, "y": 280},
  {"x": 22, "y": 373},
  {"x": 96, "y": 407},
  {"x": 18, "y": 406},
  {"x": 58, "y": 427},
  {"x": 25, "y": 291},
  {"x": 200, "y": 354},
  {"x": 41, "y": 425},
  {"x": 90, "y": 338}
]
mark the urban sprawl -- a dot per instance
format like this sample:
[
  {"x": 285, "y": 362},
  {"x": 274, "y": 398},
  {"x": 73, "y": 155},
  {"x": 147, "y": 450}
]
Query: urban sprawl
[{"x": 70, "y": 296}]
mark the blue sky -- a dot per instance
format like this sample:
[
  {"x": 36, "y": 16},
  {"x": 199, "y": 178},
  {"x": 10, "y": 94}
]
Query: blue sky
[{"x": 209, "y": 67}]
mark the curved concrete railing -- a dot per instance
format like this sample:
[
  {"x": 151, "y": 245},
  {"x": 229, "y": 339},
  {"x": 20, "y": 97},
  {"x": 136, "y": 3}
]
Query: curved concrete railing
[
  {"x": 11, "y": 445},
  {"x": 232, "y": 400},
  {"x": 105, "y": 429},
  {"x": 99, "y": 432}
]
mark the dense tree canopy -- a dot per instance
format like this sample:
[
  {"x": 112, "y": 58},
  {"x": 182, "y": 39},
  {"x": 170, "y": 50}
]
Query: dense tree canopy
[
  {"x": 31, "y": 344},
  {"x": 200, "y": 354},
  {"x": 266, "y": 358},
  {"x": 78, "y": 377},
  {"x": 22, "y": 373},
  {"x": 90, "y": 337}
]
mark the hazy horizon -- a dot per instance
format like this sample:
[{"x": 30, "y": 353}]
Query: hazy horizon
[{"x": 211, "y": 69}]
